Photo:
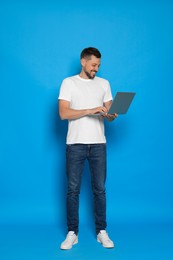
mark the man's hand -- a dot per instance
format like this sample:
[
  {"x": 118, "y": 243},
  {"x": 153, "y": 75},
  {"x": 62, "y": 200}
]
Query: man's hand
[
  {"x": 97, "y": 110},
  {"x": 110, "y": 117}
]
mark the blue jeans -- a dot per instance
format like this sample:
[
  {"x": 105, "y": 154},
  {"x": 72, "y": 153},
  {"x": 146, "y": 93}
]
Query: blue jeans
[{"x": 76, "y": 154}]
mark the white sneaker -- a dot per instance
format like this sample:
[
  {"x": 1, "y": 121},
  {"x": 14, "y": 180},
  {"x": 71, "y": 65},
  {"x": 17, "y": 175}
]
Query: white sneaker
[
  {"x": 104, "y": 239},
  {"x": 71, "y": 239}
]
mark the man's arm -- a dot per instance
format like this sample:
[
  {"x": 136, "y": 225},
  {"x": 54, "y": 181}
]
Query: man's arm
[
  {"x": 66, "y": 112},
  {"x": 109, "y": 117}
]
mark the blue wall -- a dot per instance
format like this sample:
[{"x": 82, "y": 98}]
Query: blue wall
[{"x": 40, "y": 43}]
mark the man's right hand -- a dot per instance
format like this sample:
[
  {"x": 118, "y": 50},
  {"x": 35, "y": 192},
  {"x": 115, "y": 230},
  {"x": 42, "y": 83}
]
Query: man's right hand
[
  {"x": 97, "y": 110},
  {"x": 66, "y": 112}
]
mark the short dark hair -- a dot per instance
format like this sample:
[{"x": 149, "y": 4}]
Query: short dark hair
[{"x": 87, "y": 52}]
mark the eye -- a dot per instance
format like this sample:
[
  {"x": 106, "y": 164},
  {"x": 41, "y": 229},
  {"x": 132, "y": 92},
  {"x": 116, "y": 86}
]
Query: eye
[{"x": 94, "y": 65}]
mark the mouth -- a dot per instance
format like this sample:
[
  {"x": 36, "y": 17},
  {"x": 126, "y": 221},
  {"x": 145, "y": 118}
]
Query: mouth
[
  {"x": 90, "y": 74},
  {"x": 93, "y": 72}
]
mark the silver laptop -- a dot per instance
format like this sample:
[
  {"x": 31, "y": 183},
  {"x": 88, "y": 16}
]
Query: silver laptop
[{"x": 121, "y": 103}]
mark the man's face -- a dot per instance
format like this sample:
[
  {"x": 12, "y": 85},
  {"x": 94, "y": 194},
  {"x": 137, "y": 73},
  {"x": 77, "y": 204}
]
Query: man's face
[{"x": 90, "y": 66}]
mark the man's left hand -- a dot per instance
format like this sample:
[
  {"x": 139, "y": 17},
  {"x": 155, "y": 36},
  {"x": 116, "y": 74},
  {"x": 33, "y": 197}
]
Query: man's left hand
[{"x": 110, "y": 117}]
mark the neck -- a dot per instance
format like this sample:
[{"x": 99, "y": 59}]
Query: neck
[{"x": 83, "y": 75}]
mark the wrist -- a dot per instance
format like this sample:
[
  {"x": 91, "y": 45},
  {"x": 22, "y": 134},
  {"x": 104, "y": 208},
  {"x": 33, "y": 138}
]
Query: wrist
[{"x": 87, "y": 112}]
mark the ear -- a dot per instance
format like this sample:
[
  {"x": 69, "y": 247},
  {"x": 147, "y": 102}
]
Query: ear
[{"x": 83, "y": 62}]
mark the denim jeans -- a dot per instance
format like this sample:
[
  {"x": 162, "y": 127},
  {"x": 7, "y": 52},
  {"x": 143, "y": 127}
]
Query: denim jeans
[{"x": 76, "y": 154}]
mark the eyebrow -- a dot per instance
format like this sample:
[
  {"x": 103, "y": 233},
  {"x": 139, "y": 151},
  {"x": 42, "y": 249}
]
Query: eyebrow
[{"x": 96, "y": 64}]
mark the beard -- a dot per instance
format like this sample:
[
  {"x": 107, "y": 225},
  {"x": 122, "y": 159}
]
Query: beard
[{"x": 89, "y": 74}]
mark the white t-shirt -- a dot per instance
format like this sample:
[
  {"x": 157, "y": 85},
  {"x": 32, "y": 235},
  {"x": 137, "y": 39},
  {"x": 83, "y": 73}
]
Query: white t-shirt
[{"x": 85, "y": 94}]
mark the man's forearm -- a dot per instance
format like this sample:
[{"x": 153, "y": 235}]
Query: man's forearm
[
  {"x": 70, "y": 114},
  {"x": 66, "y": 112}
]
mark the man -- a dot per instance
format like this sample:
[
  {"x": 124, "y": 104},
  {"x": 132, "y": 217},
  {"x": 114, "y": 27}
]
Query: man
[{"x": 84, "y": 100}]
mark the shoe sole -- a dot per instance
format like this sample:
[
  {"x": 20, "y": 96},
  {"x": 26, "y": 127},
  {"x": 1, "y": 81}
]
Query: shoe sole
[{"x": 67, "y": 248}]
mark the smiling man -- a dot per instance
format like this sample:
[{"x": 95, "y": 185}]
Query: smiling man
[
  {"x": 84, "y": 100},
  {"x": 90, "y": 65}
]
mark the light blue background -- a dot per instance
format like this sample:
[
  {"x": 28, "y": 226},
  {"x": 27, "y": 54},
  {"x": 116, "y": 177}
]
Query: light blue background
[{"x": 40, "y": 44}]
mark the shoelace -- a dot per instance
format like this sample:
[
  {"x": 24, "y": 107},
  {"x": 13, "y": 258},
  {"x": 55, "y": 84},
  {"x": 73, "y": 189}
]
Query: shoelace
[
  {"x": 105, "y": 236},
  {"x": 70, "y": 235}
]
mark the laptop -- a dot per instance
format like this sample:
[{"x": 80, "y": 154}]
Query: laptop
[{"x": 121, "y": 103}]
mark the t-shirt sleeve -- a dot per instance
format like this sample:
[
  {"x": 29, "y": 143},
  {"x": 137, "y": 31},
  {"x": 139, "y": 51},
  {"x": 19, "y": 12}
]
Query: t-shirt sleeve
[
  {"x": 65, "y": 90},
  {"x": 108, "y": 93}
]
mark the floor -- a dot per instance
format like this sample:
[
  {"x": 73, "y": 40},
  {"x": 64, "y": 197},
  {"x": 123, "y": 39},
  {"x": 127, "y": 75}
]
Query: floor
[{"x": 132, "y": 241}]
